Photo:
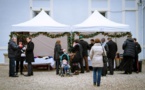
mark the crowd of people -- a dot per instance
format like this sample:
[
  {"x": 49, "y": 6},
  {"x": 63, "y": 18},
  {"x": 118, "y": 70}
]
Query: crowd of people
[
  {"x": 102, "y": 54},
  {"x": 19, "y": 52}
]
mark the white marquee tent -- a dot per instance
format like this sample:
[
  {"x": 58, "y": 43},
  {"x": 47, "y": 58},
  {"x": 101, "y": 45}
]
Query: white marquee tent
[
  {"x": 98, "y": 23},
  {"x": 41, "y": 23}
]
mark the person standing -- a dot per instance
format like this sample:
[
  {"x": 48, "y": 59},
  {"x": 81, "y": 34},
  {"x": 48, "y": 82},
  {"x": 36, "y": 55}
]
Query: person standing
[
  {"x": 91, "y": 44},
  {"x": 78, "y": 58},
  {"x": 57, "y": 53},
  {"x": 12, "y": 48},
  {"x": 97, "y": 61},
  {"x": 112, "y": 46},
  {"x": 138, "y": 50},
  {"x": 20, "y": 57},
  {"x": 129, "y": 54},
  {"x": 29, "y": 55},
  {"x": 105, "y": 59},
  {"x": 85, "y": 47}
]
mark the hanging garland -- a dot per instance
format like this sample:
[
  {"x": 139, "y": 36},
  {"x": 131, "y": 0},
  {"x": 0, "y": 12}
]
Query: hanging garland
[
  {"x": 70, "y": 37},
  {"x": 88, "y": 35},
  {"x": 115, "y": 35},
  {"x": 70, "y": 40},
  {"x": 39, "y": 33}
]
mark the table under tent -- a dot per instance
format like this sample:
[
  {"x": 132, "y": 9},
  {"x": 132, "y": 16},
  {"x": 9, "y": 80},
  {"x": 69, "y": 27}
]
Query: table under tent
[{"x": 42, "y": 29}]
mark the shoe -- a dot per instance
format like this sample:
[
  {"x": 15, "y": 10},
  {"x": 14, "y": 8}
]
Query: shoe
[
  {"x": 32, "y": 74},
  {"x": 27, "y": 75},
  {"x": 81, "y": 72},
  {"x": 98, "y": 85},
  {"x": 14, "y": 76},
  {"x": 22, "y": 73},
  {"x": 87, "y": 70},
  {"x": 76, "y": 73},
  {"x": 110, "y": 74},
  {"x": 125, "y": 72},
  {"x": 94, "y": 84}
]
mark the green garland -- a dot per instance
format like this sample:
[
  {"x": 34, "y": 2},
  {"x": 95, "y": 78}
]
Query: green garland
[
  {"x": 70, "y": 40},
  {"x": 115, "y": 35},
  {"x": 40, "y": 33},
  {"x": 70, "y": 37}
]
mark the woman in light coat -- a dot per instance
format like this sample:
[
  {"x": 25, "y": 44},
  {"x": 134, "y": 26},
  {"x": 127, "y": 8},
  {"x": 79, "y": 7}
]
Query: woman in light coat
[{"x": 96, "y": 55}]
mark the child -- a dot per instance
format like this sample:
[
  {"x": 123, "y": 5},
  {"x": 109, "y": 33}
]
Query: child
[{"x": 65, "y": 65}]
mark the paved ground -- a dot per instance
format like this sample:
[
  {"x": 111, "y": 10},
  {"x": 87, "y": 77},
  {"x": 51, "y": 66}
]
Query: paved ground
[{"x": 47, "y": 80}]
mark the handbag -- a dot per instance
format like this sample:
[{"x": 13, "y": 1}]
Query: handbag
[
  {"x": 23, "y": 55},
  {"x": 105, "y": 59}
]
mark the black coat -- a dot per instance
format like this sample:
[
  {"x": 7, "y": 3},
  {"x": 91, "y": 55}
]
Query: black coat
[
  {"x": 85, "y": 47},
  {"x": 138, "y": 48},
  {"x": 18, "y": 54},
  {"x": 90, "y": 46},
  {"x": 129, "y": 48},
  {"x": 57, "y": 52},
  {"x": 29, "y": 52},
  {"x": 112, "y": 47},
  {"x": 12, "y": 49},
  {"x": 77, "y": 49}
]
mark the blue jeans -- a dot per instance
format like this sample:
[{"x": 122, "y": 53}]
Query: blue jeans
[
  {"x": 11, "y": 66},
  {"x": 97, "y": 72}
]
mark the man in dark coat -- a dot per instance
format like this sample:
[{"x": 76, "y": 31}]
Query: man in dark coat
[
  {"x": 112, "y": 46},
  {"x": 12, "y": 48},
  {"x": 129, "y": 54},
  {"x": 78, "y": 58},
  {"x": 29, "y": 55},
  {"x": 138, "y": 50},
  {"x": 85, "y": 48}
]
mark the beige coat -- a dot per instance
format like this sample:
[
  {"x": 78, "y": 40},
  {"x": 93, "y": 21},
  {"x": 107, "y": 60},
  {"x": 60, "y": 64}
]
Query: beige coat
[{"x": 96, "y": 55}]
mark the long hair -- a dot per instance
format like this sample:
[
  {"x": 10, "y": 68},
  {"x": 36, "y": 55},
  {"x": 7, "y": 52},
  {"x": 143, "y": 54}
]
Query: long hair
[{"x": 58, "y": 42}]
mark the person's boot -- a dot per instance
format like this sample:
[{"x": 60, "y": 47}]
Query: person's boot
[
  {"x": 94, "y": 83},
  {"x": 98, "y": 84},
  {"x": 22, "y": 73}
]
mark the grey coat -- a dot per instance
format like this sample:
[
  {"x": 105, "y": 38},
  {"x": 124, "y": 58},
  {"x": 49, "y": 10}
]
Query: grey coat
[{"x": 12, "y": 49}]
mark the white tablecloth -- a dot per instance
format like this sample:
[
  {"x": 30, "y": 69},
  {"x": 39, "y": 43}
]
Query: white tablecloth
[{"x": 43, "y": 61}]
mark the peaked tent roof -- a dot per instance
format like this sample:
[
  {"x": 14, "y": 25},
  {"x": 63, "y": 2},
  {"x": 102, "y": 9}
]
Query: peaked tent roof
[
  {"x": 41, "y": 23},
  {"x": 98, "y": 23}
]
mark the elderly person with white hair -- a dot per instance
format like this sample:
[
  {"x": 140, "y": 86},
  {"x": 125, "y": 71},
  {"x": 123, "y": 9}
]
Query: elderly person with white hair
[{"x": 12, "y": 49}]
